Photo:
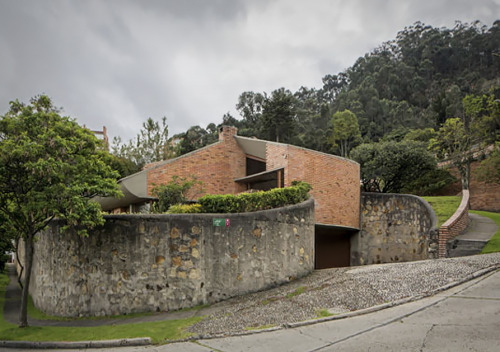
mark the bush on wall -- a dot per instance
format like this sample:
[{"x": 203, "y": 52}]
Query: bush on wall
[
  {"x": 184, "y": 209},
  {"x": 245, "y": 202},
  {"x": 172, "y": 193}
]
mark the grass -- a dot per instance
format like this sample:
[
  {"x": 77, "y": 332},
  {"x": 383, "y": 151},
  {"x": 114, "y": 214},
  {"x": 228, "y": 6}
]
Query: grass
[
  {"x": 493, "y": 244},
  {"x": 35, "y": 313},
  {"x": 297, "y": 292},
  {"x": 160, "y": 332},
  {"x": 444, "y": 207},
  {"x": 323, "y": 313}
]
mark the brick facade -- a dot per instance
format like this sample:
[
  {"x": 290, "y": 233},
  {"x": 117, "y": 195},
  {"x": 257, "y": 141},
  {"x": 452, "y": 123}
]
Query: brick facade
[
  {"x": 216, "y": 166},
  {"x": 335, "y": 180}
]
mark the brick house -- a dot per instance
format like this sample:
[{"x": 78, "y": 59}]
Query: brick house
[{"x": 235, "y": 164}]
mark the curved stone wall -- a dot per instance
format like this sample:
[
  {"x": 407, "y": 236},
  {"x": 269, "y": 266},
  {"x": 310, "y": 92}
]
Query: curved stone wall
[
  {"x": 138, "y": 263},
  {"x": 394, "y": 228}
]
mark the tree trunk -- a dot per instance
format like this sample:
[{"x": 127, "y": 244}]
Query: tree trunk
[
  {"x": 465, "y": 174},
  {"x": 19, "y": 281},
  {"x": 28, "y": 263}
]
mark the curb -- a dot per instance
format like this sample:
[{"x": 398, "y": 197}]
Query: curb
[
  {"x": 139, "y": 341},
  {"x": 144, "y": 341}
]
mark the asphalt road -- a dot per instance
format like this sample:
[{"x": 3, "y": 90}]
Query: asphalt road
[{"x": 464, "y": 318}]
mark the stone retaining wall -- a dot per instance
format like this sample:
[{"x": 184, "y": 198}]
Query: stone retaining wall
[
  {"x": 455, "y": 225},
  {"x": 394, "y": 228},
  {"x": 138, "y": 263}
]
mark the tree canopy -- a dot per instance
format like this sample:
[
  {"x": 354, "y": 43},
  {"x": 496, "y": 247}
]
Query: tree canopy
[
  {"x": 414, "y": 82},
  {"x": 50, "y": 167},
  {"x": 388, "y": 167},
  {"x": 345, "y": 131},
  {"x": 150, "y": 144}
]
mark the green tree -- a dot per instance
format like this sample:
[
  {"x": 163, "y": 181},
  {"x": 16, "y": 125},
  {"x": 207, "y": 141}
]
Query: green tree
[
  {"x": 278, "y": 115},
  {"x": 6, "y": 241},
  {"x": 174, "y": 192},
  {"x": 489, "y": 169},
  {"x": 50, "y": 167},
  {"x": 462, "y": 140},
  {"x": 388, "y": 166},
  {"x": 149, "y": 146},
  {"x": 345, "y": 131},
  {"x": 123, "y": 166}
]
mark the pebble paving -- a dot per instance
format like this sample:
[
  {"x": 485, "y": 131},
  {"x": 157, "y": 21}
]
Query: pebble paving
[{"x": 338, "y": 290}]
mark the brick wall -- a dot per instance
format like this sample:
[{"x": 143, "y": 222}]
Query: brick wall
[
  {"x": 335, "y": 181},
  {"x": 216, "y": 166},
  {"x": 483, "y": 196},
  {"x": 455, "y": 225}
]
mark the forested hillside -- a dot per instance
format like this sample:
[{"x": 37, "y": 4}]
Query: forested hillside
[{"x": 415, "y": 81}]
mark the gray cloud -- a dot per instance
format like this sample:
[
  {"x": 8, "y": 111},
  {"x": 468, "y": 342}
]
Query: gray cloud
[{"x": 115, "y": 63}]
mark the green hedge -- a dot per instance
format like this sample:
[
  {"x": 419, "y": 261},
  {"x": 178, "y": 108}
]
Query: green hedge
[
  {"x": 184, "y": 209},
  {"x": 245, "y": 202}
]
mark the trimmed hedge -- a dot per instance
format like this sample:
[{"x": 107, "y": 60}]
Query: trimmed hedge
[
  {"x": 184, "y": 209},
  {"x": 246, "y": 202}
]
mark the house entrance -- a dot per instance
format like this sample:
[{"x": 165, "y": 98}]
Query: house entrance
[{"x": 332, "y": 246}]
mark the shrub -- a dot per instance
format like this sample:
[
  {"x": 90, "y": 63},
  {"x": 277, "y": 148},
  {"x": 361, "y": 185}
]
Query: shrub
[
  {"x": 184, "y": 209},
  {"x": 246, "y": 202},
  {"x": 429, "y": 183},
  {"x": 172, "y": 193}
]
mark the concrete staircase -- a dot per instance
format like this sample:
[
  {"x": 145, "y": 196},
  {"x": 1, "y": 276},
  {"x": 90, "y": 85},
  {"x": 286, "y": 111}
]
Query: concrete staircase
[
  {"x": 464, "y": 247},
  {"x": 475, "y": 237}
]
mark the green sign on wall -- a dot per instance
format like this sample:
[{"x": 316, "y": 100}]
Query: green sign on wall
[{"x": 221, "y": 222}]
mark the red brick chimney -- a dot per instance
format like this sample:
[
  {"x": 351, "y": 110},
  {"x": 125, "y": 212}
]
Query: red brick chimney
[{"x": 226, "y": 132}]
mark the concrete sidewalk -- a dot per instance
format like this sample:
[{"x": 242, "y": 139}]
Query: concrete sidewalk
[
  {"x": 475, "y": 237},
  {"x": 480, "y": 228}
]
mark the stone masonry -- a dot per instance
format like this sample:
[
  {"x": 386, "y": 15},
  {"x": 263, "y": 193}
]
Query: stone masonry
[
  {"x": 394, "y": 228},
  {"x": 140, "y": 263}
]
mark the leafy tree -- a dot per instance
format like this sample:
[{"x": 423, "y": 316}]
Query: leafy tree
[
  {"x": 250, "y": 106},
  {"x": 420, "y": 135},
  {"x": 50, "y": 167},
  {"x": 174, "y": 192},
  {"x": 462, "y": 140},
  {"x": 453, "y": 143},
  {"x": 345, "y": 131},
  {"x": 149, "y": 146},
  {"x": 489, "y": 170},
  {"x": 6, "y": 242},
  {"x": 278, "y": 115},
  {"x": 429, "y": 182},
  {"x": 194, "y": 138},
  {"x": 388, "y": 167},
  {"x": 123, "y": 166}
]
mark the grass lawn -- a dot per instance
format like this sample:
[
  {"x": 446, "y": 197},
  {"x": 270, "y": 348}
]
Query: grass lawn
[
  {"x": 160, "y": 332},
  {"x": 493, "y": 244},
  {"x": 446, "y": 206}
]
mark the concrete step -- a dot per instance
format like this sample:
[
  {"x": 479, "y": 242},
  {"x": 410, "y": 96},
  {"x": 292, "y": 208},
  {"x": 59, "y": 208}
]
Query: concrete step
[{"x": 463, "y": 247}]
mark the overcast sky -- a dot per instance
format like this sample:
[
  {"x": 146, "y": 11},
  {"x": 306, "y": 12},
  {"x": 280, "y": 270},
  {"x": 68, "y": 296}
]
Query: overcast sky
[{"x": 116, "y": 63}]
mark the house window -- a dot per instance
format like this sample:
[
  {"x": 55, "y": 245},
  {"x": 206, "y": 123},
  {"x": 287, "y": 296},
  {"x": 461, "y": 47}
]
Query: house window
[{"x": 255, "y": 166}]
